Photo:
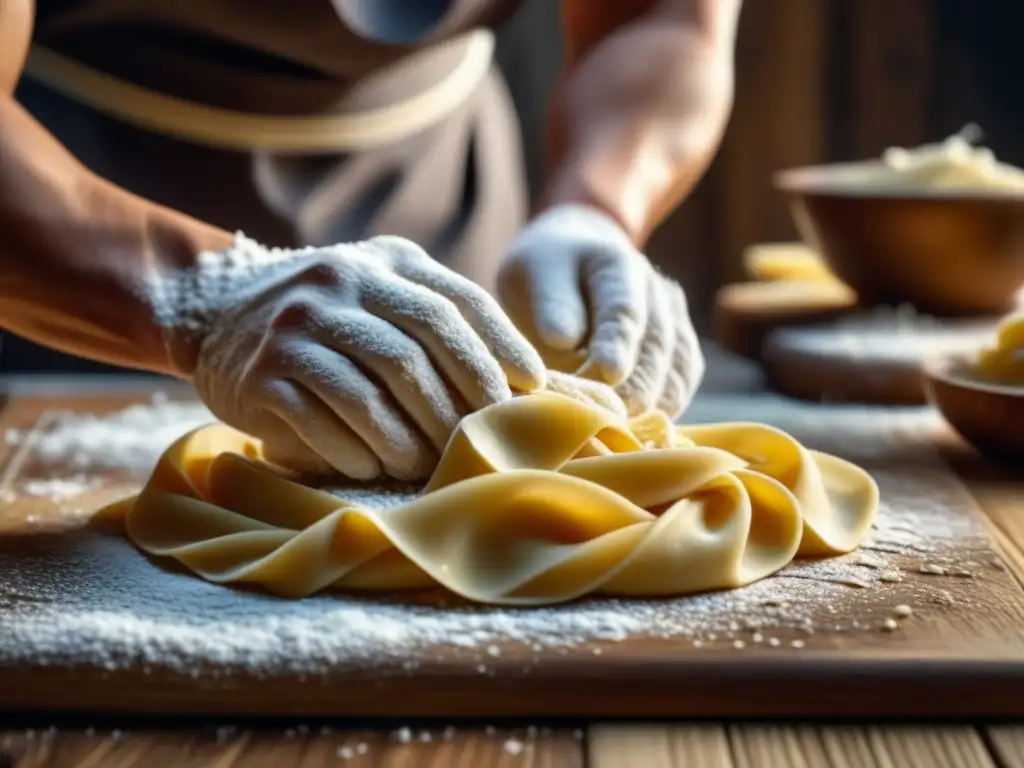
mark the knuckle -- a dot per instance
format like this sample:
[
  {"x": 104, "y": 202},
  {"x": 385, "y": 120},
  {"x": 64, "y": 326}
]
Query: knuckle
[
  {"x": 398, "y": 250},
  {"x": 698, "y": 366},
  {"x": 298, "y": 310},
  {"x": 277, "y": 394},
  {"x": 677, "y": 295},
  {"x": 272, "y": 357},
  {"x": 462, "y": 288},
  {"x": 690, "y": 364},
  {"x": 611, "y": 336},
  {"x": 322, "y": 270},
  {"x": 402, "y": 357},
  {"x": 439, "y": 313},
  {"x": 659, "y": 332},
  {"x": 622, "y": 308}
]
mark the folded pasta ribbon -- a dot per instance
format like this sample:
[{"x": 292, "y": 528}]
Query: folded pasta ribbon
[{"x": 538, "y": 500}]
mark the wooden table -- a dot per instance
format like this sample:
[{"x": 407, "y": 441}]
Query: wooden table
[{"x": 126, "y": 742}]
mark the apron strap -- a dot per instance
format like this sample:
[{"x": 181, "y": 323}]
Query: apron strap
[{"x": 243, "y": 131}]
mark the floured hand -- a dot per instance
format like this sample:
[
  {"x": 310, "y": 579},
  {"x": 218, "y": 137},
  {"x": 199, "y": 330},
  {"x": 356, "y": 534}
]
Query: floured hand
[
  {"x": 359, "y": 358},
  {"x": 592, "y": 304}
]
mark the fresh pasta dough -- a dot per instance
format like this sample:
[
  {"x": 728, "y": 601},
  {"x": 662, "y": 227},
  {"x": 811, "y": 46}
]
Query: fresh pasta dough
[
  {"x": 1003, "y": 361},
  {"x": 538, "y": 500},
  {"x": 786, "y": 262}
]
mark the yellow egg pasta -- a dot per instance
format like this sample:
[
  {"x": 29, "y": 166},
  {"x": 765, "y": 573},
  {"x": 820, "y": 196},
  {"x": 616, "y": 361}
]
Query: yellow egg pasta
[
  {"x": 1003, "y": 361},
  {"x": 538, "y": 500}
]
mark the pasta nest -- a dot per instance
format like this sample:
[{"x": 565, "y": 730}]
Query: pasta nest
[{"x": 537, "y": 500}]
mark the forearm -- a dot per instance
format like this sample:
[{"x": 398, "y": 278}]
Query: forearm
[
  {"x": 640, "y": 111},
  {"x": 79, "y": 256}
]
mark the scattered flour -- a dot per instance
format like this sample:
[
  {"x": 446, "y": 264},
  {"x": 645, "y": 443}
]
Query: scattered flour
[
  {"x": 131, "y": 439},
  {"x": 91, "y": 599},
  {"x": 193, "y": 299},
  {"x": 60, "y": 488}
]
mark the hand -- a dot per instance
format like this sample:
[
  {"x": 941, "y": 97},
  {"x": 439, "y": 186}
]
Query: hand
[
  {"x": 590, "y": 302},
  {"x": 358, "y": 358}
]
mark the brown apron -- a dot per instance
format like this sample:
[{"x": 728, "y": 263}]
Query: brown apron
[{"x": 456, "y": 187}]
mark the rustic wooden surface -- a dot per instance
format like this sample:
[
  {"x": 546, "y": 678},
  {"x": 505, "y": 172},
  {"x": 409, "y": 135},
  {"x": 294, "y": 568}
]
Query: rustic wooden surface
[
  {"x": 971, "y": 642},
  {"x": 48, "y": 740},
  {"x": 674, "y": 745}
]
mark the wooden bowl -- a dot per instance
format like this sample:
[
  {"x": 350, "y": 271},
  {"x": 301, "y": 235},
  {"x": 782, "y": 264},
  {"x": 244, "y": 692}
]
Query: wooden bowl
[
  {"x": 745, "y": 313},
  {"x": 946, "y": 252},
  {"x": 988, "y": 416}
]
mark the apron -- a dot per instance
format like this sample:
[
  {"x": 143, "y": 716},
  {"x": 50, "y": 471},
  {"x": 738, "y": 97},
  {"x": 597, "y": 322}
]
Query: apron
[{"x": 454, "y": 183}]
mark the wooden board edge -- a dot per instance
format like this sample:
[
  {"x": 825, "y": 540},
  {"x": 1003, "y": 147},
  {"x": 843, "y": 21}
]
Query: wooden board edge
[{"x": 820, "y": 687}]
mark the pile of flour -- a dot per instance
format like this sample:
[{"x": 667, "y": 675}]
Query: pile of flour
[
  {"x": 89, "y": 598},
  {"x": 130, "y": 440}
]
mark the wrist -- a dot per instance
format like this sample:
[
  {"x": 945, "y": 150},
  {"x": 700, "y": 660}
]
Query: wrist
[
  {"x": 583, "y": 221},
  {"x": 576, "y": 188},
  {"x": 177, "y": 253},
  {"x": 193, "y": 296},
  {"x": 635, "y": 125}
]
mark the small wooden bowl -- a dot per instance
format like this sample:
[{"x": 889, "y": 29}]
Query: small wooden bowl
[
  {"x": 946, "y": 252},
  {"x": 988, "y": 416},
  {"x": 745, "y": 313}
]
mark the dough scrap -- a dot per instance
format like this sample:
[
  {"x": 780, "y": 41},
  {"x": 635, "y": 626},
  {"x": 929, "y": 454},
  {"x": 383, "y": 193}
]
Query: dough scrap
[
  {"x": 538, "y": 500},
  {"x": 1003, "y": 361},
  {"x": 786, "y": 262}
]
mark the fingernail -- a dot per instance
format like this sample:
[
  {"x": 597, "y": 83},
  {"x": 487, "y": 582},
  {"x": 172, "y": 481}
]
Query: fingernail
[
  {"x": 589, "y": 370},
  {"x": 528, "y": 379},
  {"x": 609, "y": 366}
]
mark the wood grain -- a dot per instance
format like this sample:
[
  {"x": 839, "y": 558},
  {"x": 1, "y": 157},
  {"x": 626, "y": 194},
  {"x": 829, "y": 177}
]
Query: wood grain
[
  {"x": 658, "y": 746},
  {"x": 682, "y": 745},
  {"x": 892, "y": 71},
  {"x": 299, "y": 746},
  {"x": 655, "y": 745},
  {"x": 803, "y": 746},
  {"x": 999, "y": 492},
  {"x": 1007, "y": 743},
  {"x": 779, "y": 120}
]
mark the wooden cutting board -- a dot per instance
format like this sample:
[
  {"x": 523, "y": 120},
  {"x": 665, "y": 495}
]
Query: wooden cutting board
[{"x": 88, "y": 624}]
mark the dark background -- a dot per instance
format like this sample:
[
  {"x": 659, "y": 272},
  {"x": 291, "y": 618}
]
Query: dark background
[{"x": 817, "y": 80}]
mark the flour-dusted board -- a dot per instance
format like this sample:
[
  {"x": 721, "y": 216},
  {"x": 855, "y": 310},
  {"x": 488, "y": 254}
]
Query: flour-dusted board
[{"x": 89, "y": 624}]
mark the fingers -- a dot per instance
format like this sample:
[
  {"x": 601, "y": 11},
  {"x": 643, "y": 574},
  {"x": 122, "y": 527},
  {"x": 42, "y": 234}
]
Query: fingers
[
  {"x": 436, "y": 324},
  {"x": 557, "y": 306},
  {"x": 591, "y": 392},
  {"x": 400, "y": 365},
  {"x": 617, "y": 286},
  {"x": 674, "y": 397},
  {"x": 643, "y": 388},
  {"x": 669, "y": 364},
  {"x": 281, "y": 446},
  {"x": 688, "y": 359},
  {"x": 518, "y": 359},
  {"x": 364, "y": 407},
  {"x": 301, "y": 433}
]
